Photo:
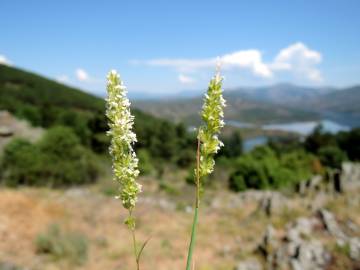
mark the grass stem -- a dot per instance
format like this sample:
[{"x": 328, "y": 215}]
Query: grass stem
[
  {"x": 135, "y": 246},
  {"x": 197, "y": 204}
]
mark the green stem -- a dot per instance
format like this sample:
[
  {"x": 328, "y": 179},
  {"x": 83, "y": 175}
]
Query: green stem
[
  {"x": 134, "y": 244},
  {"x": 135, "y": 250},
  {"x": 192, "y": 241},
  {"x": 197, "y": 204}
]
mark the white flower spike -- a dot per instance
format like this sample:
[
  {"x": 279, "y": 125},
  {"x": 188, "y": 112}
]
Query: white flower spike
[{"x": 125, "y": 163}]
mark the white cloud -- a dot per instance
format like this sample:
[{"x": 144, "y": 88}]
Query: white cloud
[
  {"x": 82, "y": 75},
  {"x": 300, "y": 60},
  {"x": 185, "y": 79},
  {"x": 62, "y": 79},
  {"x": 250, "y": 59},
  {"x": 247, "y": 59},
  {"x": 4, "y": 60},
  {"x": 296, "y": 59}
]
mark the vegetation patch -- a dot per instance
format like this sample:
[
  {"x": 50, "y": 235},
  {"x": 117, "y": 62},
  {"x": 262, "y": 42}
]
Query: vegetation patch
[{"x": 71, "y": 246}]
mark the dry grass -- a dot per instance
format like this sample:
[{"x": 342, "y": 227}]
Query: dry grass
[{"x": 226, "y": 235}]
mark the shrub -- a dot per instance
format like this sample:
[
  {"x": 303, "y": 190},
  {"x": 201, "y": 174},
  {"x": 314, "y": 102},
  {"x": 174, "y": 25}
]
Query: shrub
[
  {"x": 21, "y": 163},
  {"x": 237, "y": 182},
  {"x": 186, "y": 158},
  {"x": 57, "y": 160},
  {"x": 263, "y": 168},
  {"x": 66, "y": 162},
  {"x": 146, "y": 167},
  {"x": 233, "y": 145},
  {"x": 332, "y": 156},
  {"x": 317, "y": 139},
  {"x": 249, "y": 174},
  {"x": 350, "y": 143},
  {"x": 71, "y": 245}
]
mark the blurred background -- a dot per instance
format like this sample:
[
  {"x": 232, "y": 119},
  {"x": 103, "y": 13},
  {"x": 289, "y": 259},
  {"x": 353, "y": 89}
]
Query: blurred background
[{"x": 285, "y": 190}]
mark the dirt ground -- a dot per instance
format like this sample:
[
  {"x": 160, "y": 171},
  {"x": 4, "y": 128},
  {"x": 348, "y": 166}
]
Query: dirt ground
[{"x": 229, "y": 230}]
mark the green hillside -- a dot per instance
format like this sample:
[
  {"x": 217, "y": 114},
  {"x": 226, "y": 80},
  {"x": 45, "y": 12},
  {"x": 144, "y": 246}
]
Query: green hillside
[{"x": 47, "y": 103}]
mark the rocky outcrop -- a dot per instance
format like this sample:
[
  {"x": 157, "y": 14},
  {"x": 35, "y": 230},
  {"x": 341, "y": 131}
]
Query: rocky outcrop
[
  {"x": 266, "y": 201},
  {"x": 350, "y": 175},
  {"x": 11, "y": 127},
  {"x": 336, "y": 181},
  {"x": 297, "y": 250},
  {"x": 270, "y": 201},
  {"x": 300, "y": 248},
  {"x": 332, "y": 226},
  {"x": 310, "y": 256}
]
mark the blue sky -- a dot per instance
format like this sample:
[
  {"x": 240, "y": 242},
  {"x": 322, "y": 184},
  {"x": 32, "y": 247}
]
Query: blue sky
[{"x": 171, "y": 46}]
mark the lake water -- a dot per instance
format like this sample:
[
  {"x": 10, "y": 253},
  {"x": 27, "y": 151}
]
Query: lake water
[
  {"x": 251, "y": 143},
  {"x": 302, "y": 128},
  {"x": 305, "y": 128},
  {"x": 240, "y": 124}
]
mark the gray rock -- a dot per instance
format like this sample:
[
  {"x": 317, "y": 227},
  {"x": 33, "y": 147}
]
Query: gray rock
[
  {"x": 353, "y": 227},
  {"x": 314, "y": 183},
  {"x": 331, "y": 225},
  {"x": 269, "y": 201},
  {"x": 354, "y": 244},
  {"x": 310, "y": 256},
  {"x": 298, "y": 252},
  {"x": 320, "y": 199},
  {"x": 268, "y": 242},
  {"x": 250, "y": 264},
  {"x": 350, "y": 175},
  {"x": 301, "y": 227},
  {"x": 293, "y": 235}
]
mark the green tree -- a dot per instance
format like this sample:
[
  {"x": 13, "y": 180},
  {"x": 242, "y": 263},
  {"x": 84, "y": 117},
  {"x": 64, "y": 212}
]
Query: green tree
[
  {"x": 319, "y": 138},
  {"x": 332, "y": 156},
  {"x": 233, "y": 145},
  {"x": 350, "y": 143},
  {"x": 145, "y": 165}
]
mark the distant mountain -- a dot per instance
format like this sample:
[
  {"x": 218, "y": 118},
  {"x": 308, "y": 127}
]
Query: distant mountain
[
  {"x": 283, "y": 93},
  {"x": 343, "y": 101},
  {"x": 342, "y": 104},
  {"x": 269, "y": 104},
  {"x": 238, "y": 109}
]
